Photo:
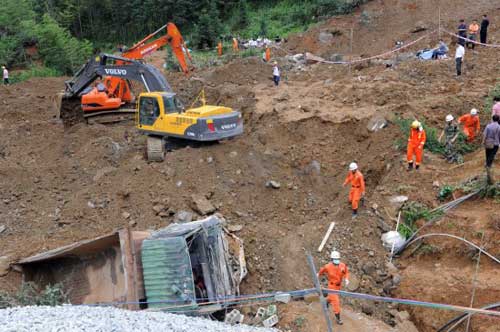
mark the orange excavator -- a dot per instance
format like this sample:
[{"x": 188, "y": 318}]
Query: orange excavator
[{"x": 114, "y": 92}]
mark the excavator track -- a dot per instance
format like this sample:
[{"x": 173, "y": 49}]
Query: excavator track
[
  {"x": 155, "y": 148},
  {"x": 110, "y": 117}
]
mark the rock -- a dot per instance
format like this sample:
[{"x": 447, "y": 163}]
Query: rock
[
  {"x": 376, "y": 123},
  {"x": 408, "y": 326},
  {"x": 420, "y": 26},
  {"x": 233, "y": 154},
  {"x": 2, "y": 228},
  {"x": 336, "y": 57},
  {"x": 328, "y": 81},
  {"x": 367, "y": 308},
  {"x": 103, "y": 172},
  {"x": 402, "y": 316},
  {"x": 235, "y": 228},
  {"x": 311, "y": 58},
  {"x": 436, "y": 184},
  {"x": 398, "y": 201},
  {"x": 314, "y": 167},
  {"x": 4, "y": 265},
  {"x": 202, "y": 205},
  {"x": 210, "y": 159},
  {"x": 325, "y": 37},
  {"x": 396, "y": 279},
  {"x": 125, "y": 215},
  {"x": 369, "y": 268},
  {"x": 183, "y": 217},
  {"x": 353, "y": 283},
  {"x": 371, "y": 253},
  {"x": 159, "y": 208},
  {"x": 132, "y": 223},
  {"x": 273, "y": 184}
]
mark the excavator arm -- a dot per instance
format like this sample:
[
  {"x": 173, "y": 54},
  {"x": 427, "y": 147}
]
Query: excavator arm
[
  {"x": 68, "y": 104},
  {"x": 173, "y": 38}
]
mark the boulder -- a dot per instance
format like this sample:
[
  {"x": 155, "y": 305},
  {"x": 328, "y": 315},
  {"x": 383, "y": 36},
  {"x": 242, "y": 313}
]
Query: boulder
[
  {"x": 202, "y": 205},
  {"x": 376, "y": 123},
  {"x": 183, "y": 217},
  {"x": 325, "y": 37}
]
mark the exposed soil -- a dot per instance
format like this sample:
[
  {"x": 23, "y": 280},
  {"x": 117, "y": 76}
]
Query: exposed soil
[{"x": 62, "y": 185}]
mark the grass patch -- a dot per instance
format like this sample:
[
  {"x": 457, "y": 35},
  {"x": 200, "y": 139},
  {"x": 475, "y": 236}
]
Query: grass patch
[
  {"x": 31, "y": 72},
  {"x": 28, "y": 294},
  {"x": 432, "y": 144},
  {"x": 445, "y": 192},
  {"x": 411, "y": 212}
]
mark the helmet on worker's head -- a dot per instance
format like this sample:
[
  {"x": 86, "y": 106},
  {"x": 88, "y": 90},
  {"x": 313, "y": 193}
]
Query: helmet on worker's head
[
  {"x": 449, "y": 118},
  {"x": 473, "y": 111},
  {"x": 353, "y": 166},
  {"x": 275, "y": 62},
  {"x": 335, "y": 255},
  {"x": 415, "y": 124}
]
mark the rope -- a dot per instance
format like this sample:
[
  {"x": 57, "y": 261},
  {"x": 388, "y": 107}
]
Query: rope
[
  {"x": 414, "y": 302},
  {"x": 470, "y": 40},
  {"x": 444, "y": 208},
  {"x": 458, "y": 238},
  {"x": 459, "y": 319}
]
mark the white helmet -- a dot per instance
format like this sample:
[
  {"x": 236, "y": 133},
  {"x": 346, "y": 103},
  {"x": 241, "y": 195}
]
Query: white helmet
[
  {"x": 449, "y": 118},
  {"x": 335, "y": 255},
  {"x": 353, "y": 166},
  {"x": 473, "y": 111}
]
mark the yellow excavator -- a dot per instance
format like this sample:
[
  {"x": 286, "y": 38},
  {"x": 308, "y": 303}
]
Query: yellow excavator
[{"x": 159, "y": 113}]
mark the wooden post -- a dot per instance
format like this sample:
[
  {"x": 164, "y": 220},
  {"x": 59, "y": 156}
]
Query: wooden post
[
  {"x": 317, "y": 285},
  {"x": 327, "y": 235}
]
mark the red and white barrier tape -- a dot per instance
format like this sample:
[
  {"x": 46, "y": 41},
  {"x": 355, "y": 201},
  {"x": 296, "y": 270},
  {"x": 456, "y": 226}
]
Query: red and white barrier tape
[{"x": 470, "y": 40}]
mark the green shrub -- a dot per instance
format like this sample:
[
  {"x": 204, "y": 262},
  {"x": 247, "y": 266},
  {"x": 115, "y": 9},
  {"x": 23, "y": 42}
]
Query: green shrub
[
  {"x": 432, "y": 144},
  {"x": 27, "y": 295},
  {"x": 33, "y": 72},
  {"x": 445, "y": 192},
  {"x": 411, "y": 212}
]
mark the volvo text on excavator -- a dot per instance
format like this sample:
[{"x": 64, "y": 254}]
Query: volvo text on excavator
[{"x": 159, "y": 112}]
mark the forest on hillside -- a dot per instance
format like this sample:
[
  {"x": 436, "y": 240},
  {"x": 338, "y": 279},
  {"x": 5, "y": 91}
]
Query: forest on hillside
[{"x": 66, "y": 32}]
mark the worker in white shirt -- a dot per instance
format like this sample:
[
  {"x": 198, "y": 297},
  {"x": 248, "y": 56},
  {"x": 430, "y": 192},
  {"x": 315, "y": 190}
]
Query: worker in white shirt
[
  {"x": 5, "y": 75},
  {"x": 276, "y": 73},
  {"x": 459, "y": 58}
]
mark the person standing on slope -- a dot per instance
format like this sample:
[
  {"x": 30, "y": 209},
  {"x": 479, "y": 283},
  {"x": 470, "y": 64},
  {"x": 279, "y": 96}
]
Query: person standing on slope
[
  {"x": 276, "y": 74},
  {"x": 450, "y": 133},
  {"x": 483, "y": 33},
  {"x": 416, "y": 142},
  {"x": 336, "y": 272},
  {"x": 357, "y": 181}
]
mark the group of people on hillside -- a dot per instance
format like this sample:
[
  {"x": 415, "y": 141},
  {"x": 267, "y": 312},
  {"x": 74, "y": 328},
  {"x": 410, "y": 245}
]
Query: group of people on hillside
[{"x": 470, "y": 39}]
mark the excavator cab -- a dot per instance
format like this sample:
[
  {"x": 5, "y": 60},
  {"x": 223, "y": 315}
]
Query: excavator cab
[{"x": 161, "y": 114}]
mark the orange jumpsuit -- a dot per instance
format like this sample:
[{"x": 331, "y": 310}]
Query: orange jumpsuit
[
  {"x": 416, "y": 143},
  {"x": 471, "y": 125},
  {"x": 268, "y": 54},
  {"x": 235, "y": 45},
  {"x": 335, "y": 274},
  {"x": 357, "y": 187},
  {"x": 219, "y": 48}
]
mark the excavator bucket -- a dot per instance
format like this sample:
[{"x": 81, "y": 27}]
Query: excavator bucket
[{"x": 68, "y": 109}]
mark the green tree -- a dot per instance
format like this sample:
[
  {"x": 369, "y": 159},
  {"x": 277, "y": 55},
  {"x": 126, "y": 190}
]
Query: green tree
[{"x": 243, "y": 14}]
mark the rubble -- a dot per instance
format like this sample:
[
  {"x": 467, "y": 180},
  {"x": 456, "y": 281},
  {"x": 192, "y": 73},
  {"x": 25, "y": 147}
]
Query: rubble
[
  {"x": 103, "y": 319},
  {"x": 273, "y": 184}
]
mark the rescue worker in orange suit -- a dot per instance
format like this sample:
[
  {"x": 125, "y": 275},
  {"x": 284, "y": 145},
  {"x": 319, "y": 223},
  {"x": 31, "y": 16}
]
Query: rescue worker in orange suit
[
  {"x": 471, "y": 124},
  {"x": 235, "y": 45},
  {"x": 268, "y": 54},
  {"x": 336, "y": 272},
  {"x": 219, "y": 48},
  {"x": 416, "y": 142},
  {"x": 355, "y": 178}
]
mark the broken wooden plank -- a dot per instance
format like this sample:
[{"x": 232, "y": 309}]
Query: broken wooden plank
[{"x": 327, "y": 235}]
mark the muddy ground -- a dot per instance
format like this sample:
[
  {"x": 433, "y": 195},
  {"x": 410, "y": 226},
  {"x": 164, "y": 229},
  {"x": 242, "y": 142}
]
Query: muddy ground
[{"x": 60, "y": 185}]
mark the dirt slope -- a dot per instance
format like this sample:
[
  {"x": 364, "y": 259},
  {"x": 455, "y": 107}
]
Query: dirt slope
[{"x": 59, "y": 186}]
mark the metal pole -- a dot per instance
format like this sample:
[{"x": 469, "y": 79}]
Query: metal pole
[
  {"x": 474, "y": 283},
  {"x": 350, "y": 49},
  {"x": 317, "y": 285},
  {"x": 439, "y": 19}
]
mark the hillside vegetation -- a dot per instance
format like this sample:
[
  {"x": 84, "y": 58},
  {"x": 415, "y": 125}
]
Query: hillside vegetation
[{"x": 65, "y": 32}]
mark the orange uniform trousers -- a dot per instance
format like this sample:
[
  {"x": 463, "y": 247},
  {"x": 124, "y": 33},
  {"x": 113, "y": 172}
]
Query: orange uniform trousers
[{"x": 414, "y": 150}]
